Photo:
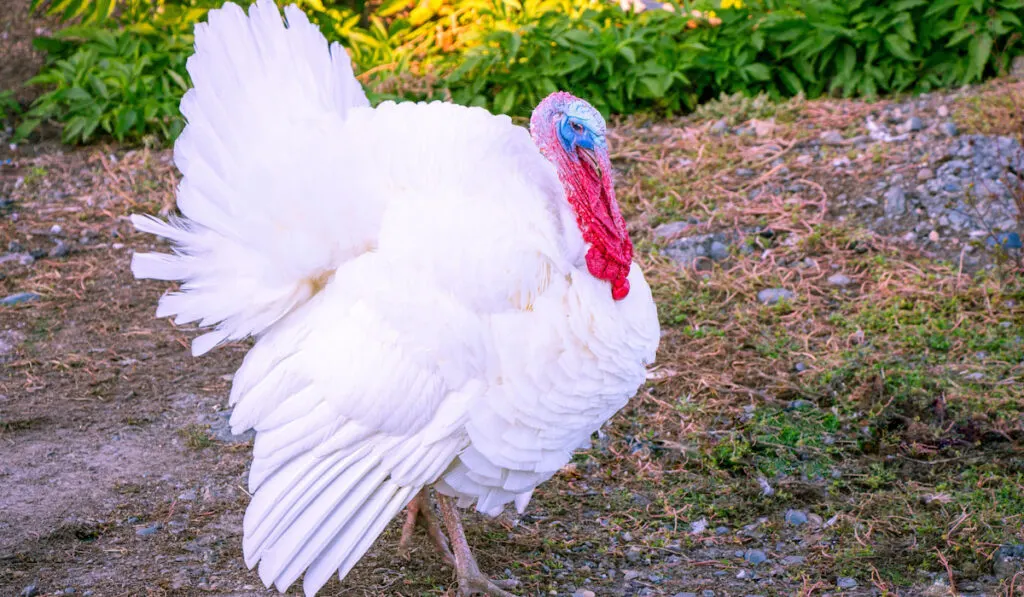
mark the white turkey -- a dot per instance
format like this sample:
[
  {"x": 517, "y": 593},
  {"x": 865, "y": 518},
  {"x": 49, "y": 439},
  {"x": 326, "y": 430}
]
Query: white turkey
[{"x": 438, "y": 299}]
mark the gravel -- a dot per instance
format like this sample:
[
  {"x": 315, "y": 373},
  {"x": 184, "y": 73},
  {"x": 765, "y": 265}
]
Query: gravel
[
  {"x": 771, "y": 296},
  {"x": 18, "y": 298},
  {"x": 700, "y": 250}
]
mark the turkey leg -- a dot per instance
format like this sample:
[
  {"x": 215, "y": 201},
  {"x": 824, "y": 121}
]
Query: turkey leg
[
  {"x": 471, "y": 580},
  {"x": 421, "y": 510}
]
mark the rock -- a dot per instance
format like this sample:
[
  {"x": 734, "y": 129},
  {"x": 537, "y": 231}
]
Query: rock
[
  {"x": 698, "y": 250},
  {"x": 925, "y": 174},
  {"x": 720, "y": 250},
  {"x": 584, "y": 593},
  {"x": 755, "y": 556},
  {"x": 933, "y": 236},
  {"x": 913, "y": 124},
  {"x": 845, "y": 582},
  {"x": 948, "y": 128},
  {"x": 20, "y": 297},
  {"x": 744, "y": 172},
  {"x": 670, "y": 230},
  {"x": 55, "y": 229},
  {"x": 29, "y": 591},
  {"x": 1006, "y": 240},
  {"x": 832, "y": 138},
  {"x": 719, "y": 128},
  {"x": 792, "y": 560},
  {"x": 895, "y": 202},
  {"x": 796, "y": 517},
  {"x": 800, "y": 367},
  {"x": 150, "y": 530},
  {"x": 62, "y": 249},
  {"x": 633, "y": 554},
  {"x": 943, "y": 111},
  {"x": 15, "y": 247},
  {"x": 770, "y": 296},
  {"x": 699, "y": 526},
  {"x": 1008, "y": 561},
  {"x": 839, "y": 280},
  {"x": 685, "y": 595},
  {"x": 629, "y": 575},
  {"x": 799, "y": 405},
  {"x": 1017, "y": 67},
  {"x": 721, "y": 530}
]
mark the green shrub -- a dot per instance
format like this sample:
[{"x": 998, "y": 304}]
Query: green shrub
[
  {"x": 506, "y": 54},
  {"x": 125, "y": 83}
]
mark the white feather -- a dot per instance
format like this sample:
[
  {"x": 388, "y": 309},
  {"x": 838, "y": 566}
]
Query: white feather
[{"x": 415, "y": 278}]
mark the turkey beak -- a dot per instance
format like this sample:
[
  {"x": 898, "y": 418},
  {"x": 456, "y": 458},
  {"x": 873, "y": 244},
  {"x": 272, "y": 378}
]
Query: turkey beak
[{"x": 590, "y": 157}]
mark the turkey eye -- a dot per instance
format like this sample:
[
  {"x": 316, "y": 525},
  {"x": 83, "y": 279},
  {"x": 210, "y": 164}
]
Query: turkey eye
[{"x": 576, "y": 127}]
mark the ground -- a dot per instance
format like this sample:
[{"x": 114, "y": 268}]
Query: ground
[{"x": 836, "y": 407}]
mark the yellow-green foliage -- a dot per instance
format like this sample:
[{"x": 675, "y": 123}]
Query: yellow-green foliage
[{"x": 507, "y": 54}]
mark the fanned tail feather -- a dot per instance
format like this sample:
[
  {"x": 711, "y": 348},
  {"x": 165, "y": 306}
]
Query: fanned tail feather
[{"x": 265, "y": 224}]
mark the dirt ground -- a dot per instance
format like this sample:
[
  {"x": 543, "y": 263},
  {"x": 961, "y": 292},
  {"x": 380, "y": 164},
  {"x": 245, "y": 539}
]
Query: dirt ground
[{"x": 863, "y": 436}]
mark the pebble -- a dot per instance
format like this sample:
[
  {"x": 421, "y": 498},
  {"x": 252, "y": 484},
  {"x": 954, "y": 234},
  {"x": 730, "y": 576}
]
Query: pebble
[
  {"x": 670, "y": 230},
  {"x": 29, "y": 591},
  {"x": 20, "y": 297},
  {"x": 845, "y": 582},
  {"x": 832, "y": 138},
  {"x": 770, "y": 296},
  {"x": 62, "y": 249},
  {"x": 629, "y": 575},
  {"x": 1006, "y": 240},
  {"x": 744, "y": 172},
  {"x": 796, "y": 517},
  {"x": 633, "y": 554},
  {"x": 55, "y": 229},
  {"x": 933, "y": 236},
  {"x": 699, "y": 526},
  {"x": 948, "y": 129},
  {"x": 800, "y": 367},
  {"x": 150, "y": 530},
  {"x": 925, "y": 174},
  {"x": 685, "y": 595},
  {"x": 755, "y": 556},
  {"x": 722, "y": 530},
  {"x": 839, "y": 280},
  {"x": 1008, "y": 561},
  {"x": 720, "y": 128},
  {"x": 895, "y": 202},
  {"x": 943, "y": 111},
  {"x": 913, "y": 124},
  {"x": 792, "y": 560},
  {"x": 799, "y": 405},
  {"x": 584, "y": 593}
]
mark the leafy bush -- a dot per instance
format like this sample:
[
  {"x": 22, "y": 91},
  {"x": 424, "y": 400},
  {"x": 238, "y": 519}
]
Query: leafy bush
[
  {"x": 507, "y": 54},
  {"x": 126, "y": 83}
]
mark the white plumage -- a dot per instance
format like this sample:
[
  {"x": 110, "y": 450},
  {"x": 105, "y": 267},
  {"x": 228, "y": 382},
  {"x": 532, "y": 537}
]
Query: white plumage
[{"x": 416, "y": 281}]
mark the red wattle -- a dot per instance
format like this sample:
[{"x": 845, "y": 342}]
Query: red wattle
[{"x": 620, "y": 289}]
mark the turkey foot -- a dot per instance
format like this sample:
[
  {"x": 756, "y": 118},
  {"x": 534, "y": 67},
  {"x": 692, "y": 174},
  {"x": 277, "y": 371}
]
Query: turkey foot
[
  {"x": 471, "y": 580},
  {"x": 421, "y": 510}
]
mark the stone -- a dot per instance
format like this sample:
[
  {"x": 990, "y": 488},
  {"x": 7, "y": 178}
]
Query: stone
[
  {"x": 832, "y": 138},
  {"x": 150, "y": 530},
  {"x": 670, "y": 230},
  {"x": 633, "y": 554},
  {"x": 29, "y": 591},
  {"x": 925, "y": 174},
  {"x": 839, "y": 280},
  {"x": 62, "y": 249},
  {"x": 55, "y": 229},
  {"x": 943, "y": 111},
  {"x": 719, "y": 128},
  {"x": 796, "y": 517},
  {"x": 948, "y": 128},
  {"x": 17, "y": 298},
  {"x": 698, "y": 250},
  {"x": 584, "y": 593},
  {"x": 1008, "y": 561},
  {"x": 913, "y": 124},
  {"x": 800, "y": 367},
  {"x": 755, "y": 556},
  {"x": 699, "y": 526},
  {"x": 845, "y": 582},
  {"x": 895, "y": 202},
  {"x": 771, "y": 296},
  {"x": 792, "y": 560}
]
